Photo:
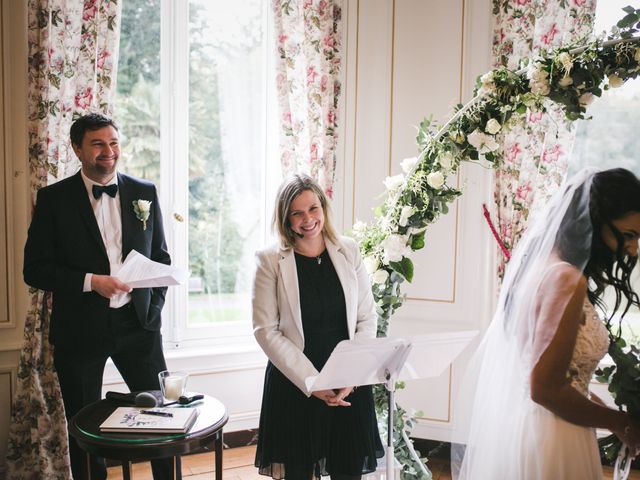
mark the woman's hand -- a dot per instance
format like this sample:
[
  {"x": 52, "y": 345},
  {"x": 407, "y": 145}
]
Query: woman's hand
[
  {"x": 631, "y": 437},
  {"x": 334, "y": 398}
]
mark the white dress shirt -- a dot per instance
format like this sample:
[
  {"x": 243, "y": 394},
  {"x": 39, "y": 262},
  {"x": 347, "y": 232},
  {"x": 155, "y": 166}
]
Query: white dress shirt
[{"x": 107, "y": 212}]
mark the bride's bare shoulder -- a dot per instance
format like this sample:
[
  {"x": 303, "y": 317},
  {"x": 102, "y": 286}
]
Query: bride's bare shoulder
[{"x": 563, "y": 277}]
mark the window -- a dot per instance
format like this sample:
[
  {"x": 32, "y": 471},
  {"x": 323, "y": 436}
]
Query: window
[
  {"x": 610, "y": 140},
  {"x": 195, "y": 106}
]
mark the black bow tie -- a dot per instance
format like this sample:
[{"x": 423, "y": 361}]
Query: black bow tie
[{"x": 110, "y": 190}]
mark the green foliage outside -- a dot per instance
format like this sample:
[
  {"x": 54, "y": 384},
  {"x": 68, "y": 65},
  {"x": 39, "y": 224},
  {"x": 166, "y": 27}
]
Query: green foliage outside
[{"x": 215, "y": 246}]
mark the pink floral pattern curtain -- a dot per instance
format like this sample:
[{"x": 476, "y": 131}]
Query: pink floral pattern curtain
[
  {"x": 73, "y": 47},
  {"x": 308, "y": 36},
  {"x": 536, "y": 152}
]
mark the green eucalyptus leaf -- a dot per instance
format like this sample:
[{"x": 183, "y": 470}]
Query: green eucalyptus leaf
[
  {"x": 403, "y": 267},
  {"x": 417, "y": 241}
]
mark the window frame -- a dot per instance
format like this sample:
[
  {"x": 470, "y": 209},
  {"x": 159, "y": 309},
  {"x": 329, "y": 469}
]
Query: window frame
[{"x": 174, "y": 176}]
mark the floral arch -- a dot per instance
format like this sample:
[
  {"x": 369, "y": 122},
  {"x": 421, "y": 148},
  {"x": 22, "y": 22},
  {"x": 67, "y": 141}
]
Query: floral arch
[{"x": 570, "y": 77}]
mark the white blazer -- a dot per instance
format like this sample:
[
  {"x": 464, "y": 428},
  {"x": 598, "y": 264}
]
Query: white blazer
[{"x": 277, "y": 321}]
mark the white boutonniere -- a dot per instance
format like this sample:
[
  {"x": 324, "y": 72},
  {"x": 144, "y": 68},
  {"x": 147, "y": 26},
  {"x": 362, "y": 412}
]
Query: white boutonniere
[{"x": 142, "y": 209}]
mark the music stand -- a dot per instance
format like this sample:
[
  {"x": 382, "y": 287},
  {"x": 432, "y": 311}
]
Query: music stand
[{"x": 370, "y": 361}]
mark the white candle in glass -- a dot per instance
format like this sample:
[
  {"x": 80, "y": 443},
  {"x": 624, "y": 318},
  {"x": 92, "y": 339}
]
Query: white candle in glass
[{"x": 173, "y": 386}]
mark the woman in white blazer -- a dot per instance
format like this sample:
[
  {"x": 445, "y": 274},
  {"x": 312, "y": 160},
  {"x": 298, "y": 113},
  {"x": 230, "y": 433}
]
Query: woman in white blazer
[{"x": 311, "y": 291}]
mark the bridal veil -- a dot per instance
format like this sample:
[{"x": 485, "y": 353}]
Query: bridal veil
[{"x": 499, "y": 432}]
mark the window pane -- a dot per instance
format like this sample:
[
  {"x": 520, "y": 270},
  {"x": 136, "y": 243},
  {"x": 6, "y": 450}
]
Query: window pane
[
  {"x": 227, "y": 96},
  {"x": 610, "y": 140},
  {"x": 137, "y": 102}
]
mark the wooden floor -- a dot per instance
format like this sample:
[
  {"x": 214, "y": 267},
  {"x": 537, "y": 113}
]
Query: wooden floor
[{"x": 238, "y": 465}]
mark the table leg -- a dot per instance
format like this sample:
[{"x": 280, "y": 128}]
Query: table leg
[
  {"x": 178, "y": 465},
  {"x": 218, "y": 448},
  {"x": 126, "y": 470},
  {"x": 88, "y": 466}
]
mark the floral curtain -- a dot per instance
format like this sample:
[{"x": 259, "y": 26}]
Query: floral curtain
[
  {"x": 72, "y": 62},
  {"x": 308, "y": 36},
  {"x": 536, "y": 152}
]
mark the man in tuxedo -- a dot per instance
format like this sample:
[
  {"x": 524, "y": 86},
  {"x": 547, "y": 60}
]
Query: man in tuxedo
[{"x": 82, "y": 229}]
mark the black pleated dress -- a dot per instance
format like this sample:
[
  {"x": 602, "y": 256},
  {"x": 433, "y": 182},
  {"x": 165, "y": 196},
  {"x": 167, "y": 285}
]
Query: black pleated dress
[{"x": 301, "y": 437}]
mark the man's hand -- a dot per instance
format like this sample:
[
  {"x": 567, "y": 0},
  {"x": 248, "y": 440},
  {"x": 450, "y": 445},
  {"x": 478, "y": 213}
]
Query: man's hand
[{"x": 108, "y": 286}]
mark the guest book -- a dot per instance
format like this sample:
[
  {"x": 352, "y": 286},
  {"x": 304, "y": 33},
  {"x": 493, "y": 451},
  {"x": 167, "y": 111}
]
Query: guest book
[{"x": 150, "y": 420}]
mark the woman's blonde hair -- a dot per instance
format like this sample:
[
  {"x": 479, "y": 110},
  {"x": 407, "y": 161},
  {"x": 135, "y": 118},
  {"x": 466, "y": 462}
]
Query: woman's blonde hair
[{"x": 287, "y": 193}]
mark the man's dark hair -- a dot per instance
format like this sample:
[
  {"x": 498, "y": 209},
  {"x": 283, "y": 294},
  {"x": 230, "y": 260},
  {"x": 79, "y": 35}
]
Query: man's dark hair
[{"x": 89, "y": 122}]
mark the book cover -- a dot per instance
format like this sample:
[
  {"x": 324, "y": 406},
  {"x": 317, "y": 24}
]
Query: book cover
[{"x": 135, "y": 420}]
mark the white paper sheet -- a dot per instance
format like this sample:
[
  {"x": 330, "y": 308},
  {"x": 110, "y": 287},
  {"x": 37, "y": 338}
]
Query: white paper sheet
[
  {"x": 139, "y": 271},
  {"x": 366, "y": 361},
  {"x": 360, "y": 362}
]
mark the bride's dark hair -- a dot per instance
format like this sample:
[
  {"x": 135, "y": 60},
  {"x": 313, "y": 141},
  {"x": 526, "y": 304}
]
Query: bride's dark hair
[{"x": 614, "y": 194}]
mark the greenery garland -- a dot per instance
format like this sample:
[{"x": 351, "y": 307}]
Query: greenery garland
[{"x": 570, "y": 76}]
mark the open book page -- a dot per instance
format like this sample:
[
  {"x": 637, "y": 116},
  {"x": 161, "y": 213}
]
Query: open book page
[
  {"x": 138, "y": 271},
  {"x": 359, "y": 362},
  {"x": 135, "y": 420}
]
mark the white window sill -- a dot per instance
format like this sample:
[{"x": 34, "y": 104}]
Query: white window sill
[{"x": 204, "y": 359}]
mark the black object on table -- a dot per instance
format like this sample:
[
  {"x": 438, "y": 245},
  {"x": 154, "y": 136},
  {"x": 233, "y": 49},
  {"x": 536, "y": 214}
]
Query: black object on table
[{"x": 204, "y": 435}]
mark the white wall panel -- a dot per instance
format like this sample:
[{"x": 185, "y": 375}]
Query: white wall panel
[
  {"x": 417, "y": 58},
  {"x": 372, "y": 108}
]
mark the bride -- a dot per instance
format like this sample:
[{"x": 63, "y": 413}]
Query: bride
[{"x": 529, "y": 414}]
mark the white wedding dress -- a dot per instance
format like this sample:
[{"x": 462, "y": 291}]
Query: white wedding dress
[
  {"x": 562, "y": 449},
  {"x": 536, "y": 444},
  {"x": 500, "y": 432}
]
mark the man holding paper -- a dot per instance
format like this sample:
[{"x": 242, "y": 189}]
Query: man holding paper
[{"x": 82, "y": 229}]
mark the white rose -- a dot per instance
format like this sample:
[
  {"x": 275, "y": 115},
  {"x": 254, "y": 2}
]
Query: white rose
[
  {"x": 487, "y": 77},
  {"x": 405, "y": 213},
  {"x": 615, "y": 81},
  {"x": 446, "y": 160},
  {"x": 585, "y": 99},
  {"x": 395, "y": 246},
  {"x": 380, "y": 276},
  {"x": 408, "y": 163},
  {"x": 492, "y": 126},
  {"x": 393, "y": 182},
  {"x": 538, "y": 79},
  {"x": 486, "y": 84},
  {"x": 370, "y": 264},
  {"x": 475, "y": 138},
  {"x": 540, "y": 88},
  {"x": 482, "y": 142},
  {"x": 565, "y": 81},
  {"x": 144, "y": 206},
  {"x": 490, "y": 145},
  {"x": 435, "y": 180}
]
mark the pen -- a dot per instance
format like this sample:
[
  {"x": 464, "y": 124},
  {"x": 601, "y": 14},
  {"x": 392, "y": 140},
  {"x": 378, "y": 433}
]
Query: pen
[{"x": 159, "y": 414}]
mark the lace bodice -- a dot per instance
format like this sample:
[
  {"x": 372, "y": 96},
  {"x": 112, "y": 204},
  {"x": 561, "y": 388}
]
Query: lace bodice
[{"x": 592, "y": 344}]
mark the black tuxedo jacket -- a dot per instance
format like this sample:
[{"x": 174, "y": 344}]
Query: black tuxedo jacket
[{"x": 64, "y": 244}]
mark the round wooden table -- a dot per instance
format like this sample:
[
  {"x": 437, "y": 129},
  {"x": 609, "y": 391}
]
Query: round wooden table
[{"x": 204, "y": 435}]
